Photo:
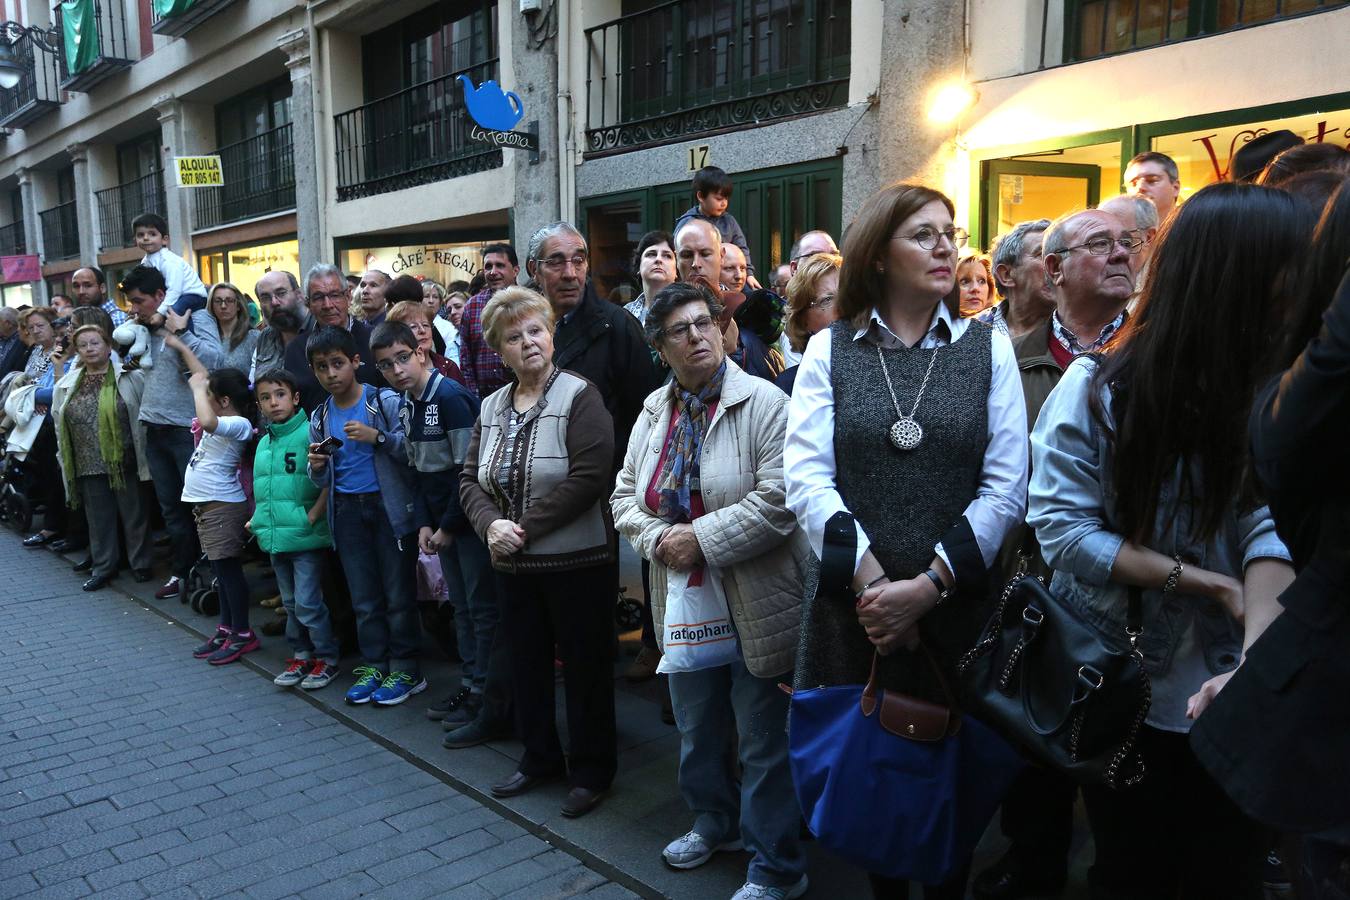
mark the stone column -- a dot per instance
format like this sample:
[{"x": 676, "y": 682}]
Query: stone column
[
  {"x": 178, "y": 211},
  {"x": 32, "y": 225},
  {"x": 304, "y": 152},
  {"x": 86, "y": 218},
  {"x": 921, "y": 47},
  {"x": 533, "y": 74}
]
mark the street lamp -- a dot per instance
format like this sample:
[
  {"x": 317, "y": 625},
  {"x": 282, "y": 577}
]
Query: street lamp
[{"x": 11, "y": 67}]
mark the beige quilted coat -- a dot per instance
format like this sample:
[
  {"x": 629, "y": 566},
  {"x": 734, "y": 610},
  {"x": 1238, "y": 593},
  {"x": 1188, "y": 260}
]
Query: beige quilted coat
[{"x": 747, "y": 530}]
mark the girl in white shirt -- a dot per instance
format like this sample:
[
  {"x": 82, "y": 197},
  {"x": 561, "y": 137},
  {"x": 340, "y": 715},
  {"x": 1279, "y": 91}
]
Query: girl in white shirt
[{"x": 226, "y": 411}]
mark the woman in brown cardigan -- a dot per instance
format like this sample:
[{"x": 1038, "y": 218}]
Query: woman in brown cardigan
[{"x": 535, "y": 487}]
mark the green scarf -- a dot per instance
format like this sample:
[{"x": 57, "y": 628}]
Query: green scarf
[{"x": 109, "y": 438}]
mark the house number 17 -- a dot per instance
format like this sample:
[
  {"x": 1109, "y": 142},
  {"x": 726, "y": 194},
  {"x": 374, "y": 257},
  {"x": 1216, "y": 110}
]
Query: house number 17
[{"x": 698, "y": 157}]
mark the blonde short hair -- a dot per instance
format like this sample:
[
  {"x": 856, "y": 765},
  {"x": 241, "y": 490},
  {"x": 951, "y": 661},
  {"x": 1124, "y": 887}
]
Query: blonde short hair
[
  {"x": 802, "y": 290},
  {"x": 509, "y": 306},
  {"x": 404, "y": 310}
]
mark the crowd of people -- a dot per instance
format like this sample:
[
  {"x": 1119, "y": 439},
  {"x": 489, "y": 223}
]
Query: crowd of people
[{"x": 1129, "y": 399}]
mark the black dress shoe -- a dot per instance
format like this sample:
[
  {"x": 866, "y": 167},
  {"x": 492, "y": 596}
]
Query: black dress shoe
[
  {"x": 38, "y": 539},
  {"x": 84, "y": 565},
  {"x": 141, "y": 576},
  {"x": 1006, "y": 880},
  {"x": 580, "y": 801},
  {"x": 520, "y": 783},
  {"x": 98, "y": 583}
]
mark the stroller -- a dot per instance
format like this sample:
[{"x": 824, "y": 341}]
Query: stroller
[
  {"x": 201, "y": 592},
  {"x": 16, "y": 510}
]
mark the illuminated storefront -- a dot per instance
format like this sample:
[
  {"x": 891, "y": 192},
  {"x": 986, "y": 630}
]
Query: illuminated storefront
[
  {"x": 244, "y": 265},
  {"x": 443, "y": 262}
]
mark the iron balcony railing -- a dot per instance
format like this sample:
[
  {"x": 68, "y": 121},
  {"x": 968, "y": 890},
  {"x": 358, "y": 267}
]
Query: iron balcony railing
[
  {"x": 417, "y": 136},
  {"x": 60, "y": 232},
  {"x": 112, "y": 50},
  {"x": 12, "y": 242},
  {"x": 38, "y": 91},
  {"x": 117, "y": 206},
  {"x": 690, "y": 67},
  {"x": 259, "y": 177},
  {"x": 182, "y": 16}
]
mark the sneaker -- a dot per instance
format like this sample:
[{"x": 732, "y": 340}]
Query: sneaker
[
  {"x": 368, "y": 678},
  {"x": 270, "y": 602},
  {"x": 752, "y": 891},
  {"x": 439, "y": 711},
  {"x": 474, "y": 733},
  {"x": 467, "y": 712},
  {"x": 693, "y": 850},
  {"x": 293, "y": 674},
  {"x": 399, "y": 686},
  {"x": 644, "y": 666},
  {"x": 236, "y": 646},
  {"x": 319, "y": 676},
  {"x": 214, "y": 643},
  {"x": 170, "y": 589}
]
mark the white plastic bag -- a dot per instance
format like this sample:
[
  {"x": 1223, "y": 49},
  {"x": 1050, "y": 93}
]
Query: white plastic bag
[{"x": 698, "y": 632}]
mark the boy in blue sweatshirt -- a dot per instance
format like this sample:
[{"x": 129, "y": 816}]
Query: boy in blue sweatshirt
[
  {"x": 356, "y": 450},
  {"x": 438, "y": 415},
  {"x": 712, "y": 191}
]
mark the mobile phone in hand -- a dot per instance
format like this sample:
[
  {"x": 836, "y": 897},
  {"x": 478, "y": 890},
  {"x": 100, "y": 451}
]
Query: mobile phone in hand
[{"x": 328, "y": 445}]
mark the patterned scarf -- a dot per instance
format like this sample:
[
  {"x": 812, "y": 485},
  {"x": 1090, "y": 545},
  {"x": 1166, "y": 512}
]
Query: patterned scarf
[
  {"x": 110, "y": 441},
  {"x": 681, "y": 464}
]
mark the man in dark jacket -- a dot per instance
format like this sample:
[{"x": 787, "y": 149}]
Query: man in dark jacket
[
  {"x": 13, "y": 351},
  {"x": 329, "y": 301},
  {"x": 595, "y": 339}
]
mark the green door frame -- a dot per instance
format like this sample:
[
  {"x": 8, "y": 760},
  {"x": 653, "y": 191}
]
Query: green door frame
[{"x": 994, "y": 168}]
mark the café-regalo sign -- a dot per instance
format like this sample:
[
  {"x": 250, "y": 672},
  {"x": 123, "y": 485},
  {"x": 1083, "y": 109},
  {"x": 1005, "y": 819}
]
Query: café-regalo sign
[{"x": 495, "y": 112}]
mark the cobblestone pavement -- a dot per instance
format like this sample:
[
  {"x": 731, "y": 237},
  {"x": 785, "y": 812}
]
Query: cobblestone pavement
[{"x": 132, "y": 770}]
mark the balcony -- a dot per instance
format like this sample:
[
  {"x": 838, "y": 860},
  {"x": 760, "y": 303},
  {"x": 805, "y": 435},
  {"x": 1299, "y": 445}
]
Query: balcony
[
  {"x": 38, "y": 91},
  {"x": 418, "y": 136},
  {"x": 117, "y": 206},
  {"x": 12, "y": 242},
  {"x": 691, "y": 67},
  {"x": 95, "y": 47},
  {"x": 60, "y": 232},
  {"x": 259, "y": 177},
  {"x": 175, "y": 18}
]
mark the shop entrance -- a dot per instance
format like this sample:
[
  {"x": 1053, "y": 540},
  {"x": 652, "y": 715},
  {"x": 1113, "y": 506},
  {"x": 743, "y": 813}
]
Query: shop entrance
[{"x": 1018, "y": 191}]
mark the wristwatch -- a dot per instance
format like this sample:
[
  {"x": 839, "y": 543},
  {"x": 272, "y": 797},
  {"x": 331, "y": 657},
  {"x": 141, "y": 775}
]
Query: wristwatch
[
  {"x": 379, "y": 437},
  {"x": 943, "y": 591}
]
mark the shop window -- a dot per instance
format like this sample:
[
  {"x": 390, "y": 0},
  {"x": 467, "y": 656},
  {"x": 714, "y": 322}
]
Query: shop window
[
  {"x": 1045, "y": 185},
  {"x": 242, "y": 266},
  {"x": 1096, "y": 28},
  {"x": 446, "y": 263}
]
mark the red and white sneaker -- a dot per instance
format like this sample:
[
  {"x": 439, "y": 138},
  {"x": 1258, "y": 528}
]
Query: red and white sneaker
[
  {"x": 170, "y": 589},
  {"x": 294, "y": 673},
  {"x": 320, "y": 674}
]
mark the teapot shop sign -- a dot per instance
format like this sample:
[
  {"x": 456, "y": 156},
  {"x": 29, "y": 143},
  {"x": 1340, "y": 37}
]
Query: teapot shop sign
[{"x": 495, "y": 113}]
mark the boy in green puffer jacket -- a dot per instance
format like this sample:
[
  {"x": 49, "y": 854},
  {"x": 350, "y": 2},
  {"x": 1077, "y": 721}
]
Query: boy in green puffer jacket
[{"x": 291, "y": 523}]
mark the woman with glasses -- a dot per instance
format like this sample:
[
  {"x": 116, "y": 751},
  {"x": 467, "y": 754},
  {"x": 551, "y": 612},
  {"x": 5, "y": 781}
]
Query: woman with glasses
[
  {"x": 1142, "y": 478},
  {"x": 811, "y": 306},
  {"x": 238, "y": 337},
  {"x": 701, "y": 496},
  {"x": 421, "y": 320},
  {"x": 907, "y": 435},
  {"x": 534, "y": 487}
]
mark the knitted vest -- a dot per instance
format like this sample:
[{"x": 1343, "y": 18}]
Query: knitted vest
[{"x": 905, "y": 500}]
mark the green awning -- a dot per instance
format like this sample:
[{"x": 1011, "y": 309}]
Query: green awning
[
  {"x": 165, "y": 9},
  {"x": 79, "y": 34}
]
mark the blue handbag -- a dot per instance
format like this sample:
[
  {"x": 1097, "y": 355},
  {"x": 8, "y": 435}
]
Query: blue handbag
[{"x": 898, "y": 786}]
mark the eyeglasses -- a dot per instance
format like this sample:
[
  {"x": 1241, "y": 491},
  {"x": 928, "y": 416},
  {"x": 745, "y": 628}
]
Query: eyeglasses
[
  {"x": 400, "y": 359},
  {"x": 280, "y": 294},
  {"x": 224, "y": 301},
  {"x": 685, "y": 330},
  {"x": 1102, "y": 246},
  {"x": 822, "y": 302},
  {"x": 928, "y": 238},
  {"x": 324, "y": 296},
  {"x": 559, "y": 263}
]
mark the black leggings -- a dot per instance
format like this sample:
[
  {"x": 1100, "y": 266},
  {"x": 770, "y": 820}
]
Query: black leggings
[{"x": 233, "y": 593}]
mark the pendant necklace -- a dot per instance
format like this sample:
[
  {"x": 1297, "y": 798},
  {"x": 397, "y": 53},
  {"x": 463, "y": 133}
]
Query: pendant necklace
[{"x": 906, "y": 434}]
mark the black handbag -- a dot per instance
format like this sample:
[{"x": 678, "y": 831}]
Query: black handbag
[{"x": 1043, "y": 678}]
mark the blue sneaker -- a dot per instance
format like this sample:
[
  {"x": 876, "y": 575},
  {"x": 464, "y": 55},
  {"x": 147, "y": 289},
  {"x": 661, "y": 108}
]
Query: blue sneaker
[
  {"x": 368, "y": 679},
  {"x": 399, "y": 686}
]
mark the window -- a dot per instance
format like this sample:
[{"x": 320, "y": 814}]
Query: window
[
  {"x": 138, "y": 158},
  {"x": 1102, "y": 27},
  {"x": 253, "y": 113},
  {"x": 440, "y": 40}
]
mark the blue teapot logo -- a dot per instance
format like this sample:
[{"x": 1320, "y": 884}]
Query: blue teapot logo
[{"x": 490, "y": 106}]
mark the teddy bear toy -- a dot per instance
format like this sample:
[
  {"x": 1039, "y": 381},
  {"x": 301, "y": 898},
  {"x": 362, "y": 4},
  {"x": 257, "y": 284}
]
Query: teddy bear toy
[{"x": 137, "y": 337}]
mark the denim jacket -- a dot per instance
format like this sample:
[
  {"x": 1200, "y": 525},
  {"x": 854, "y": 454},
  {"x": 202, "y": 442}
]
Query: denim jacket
[
  {"x": 402, "y": 503},
  {"x": 1187, "y": 640}
]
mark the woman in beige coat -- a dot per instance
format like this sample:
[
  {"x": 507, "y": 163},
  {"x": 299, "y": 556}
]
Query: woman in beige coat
[{"x": 701, "y": 495}]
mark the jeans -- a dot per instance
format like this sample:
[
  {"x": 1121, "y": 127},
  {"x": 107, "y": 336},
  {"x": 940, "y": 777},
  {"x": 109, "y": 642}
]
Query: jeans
[
  {"x": 473, "y": 593},
  {"x": 381, "y": 574},
  {"x": 308, "y": 629},
  {"x": 168, "y": 449},
  {"x": 762, "y": 808}
]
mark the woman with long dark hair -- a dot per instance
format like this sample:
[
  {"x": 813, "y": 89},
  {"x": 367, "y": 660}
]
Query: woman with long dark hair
[
  {"x": 1278, "y": 737},
  {"x": 907, "y": 423},
  {"x": 1141, "y": 477}
]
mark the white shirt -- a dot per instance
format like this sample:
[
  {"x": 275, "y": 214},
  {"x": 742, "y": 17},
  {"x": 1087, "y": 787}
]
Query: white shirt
[
  {"x": 790, "y": 357},
  {"x": 179, "y": 277},
  {"x": 213, "y": 472},
  {"x": 450, "y": 334},
  {"x": 808, "y": 454}
]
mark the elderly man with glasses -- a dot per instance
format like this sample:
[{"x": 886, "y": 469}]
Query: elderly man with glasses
[{"x": 327, "y": 299}]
